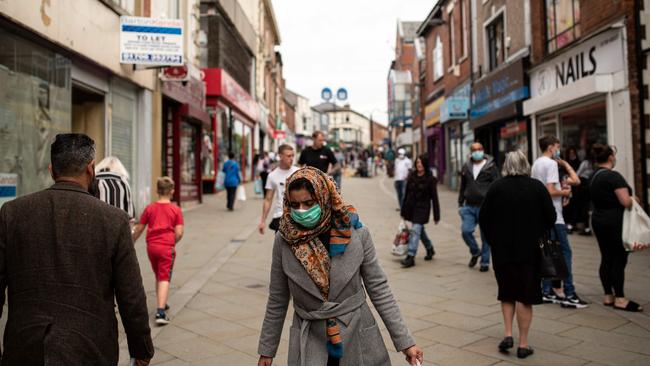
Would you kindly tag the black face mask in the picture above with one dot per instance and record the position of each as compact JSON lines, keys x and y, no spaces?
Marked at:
{"x":93,"y":188}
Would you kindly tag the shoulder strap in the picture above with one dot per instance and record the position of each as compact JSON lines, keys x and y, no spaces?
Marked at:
{"x":593,"y":178}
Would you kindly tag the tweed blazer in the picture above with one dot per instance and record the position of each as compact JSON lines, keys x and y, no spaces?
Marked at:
{"x":352,"y":275}
{"x":65,"y":257}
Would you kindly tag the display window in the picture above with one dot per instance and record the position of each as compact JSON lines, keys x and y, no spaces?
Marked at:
{"x":514,"y":136}
{"x":189,"y":170}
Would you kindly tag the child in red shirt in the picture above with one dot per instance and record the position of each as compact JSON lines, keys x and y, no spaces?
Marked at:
{"x":165,"y":221}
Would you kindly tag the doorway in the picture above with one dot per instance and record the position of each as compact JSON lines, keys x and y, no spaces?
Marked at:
{"x":88,"y":116}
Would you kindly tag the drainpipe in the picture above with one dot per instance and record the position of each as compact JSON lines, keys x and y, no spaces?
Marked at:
{"x":640,"y":54}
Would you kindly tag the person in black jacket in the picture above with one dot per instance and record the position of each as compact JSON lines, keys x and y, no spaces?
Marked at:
{"x":476,"y":177}
{"x":421,"y":194}
{"x":516,"y":212}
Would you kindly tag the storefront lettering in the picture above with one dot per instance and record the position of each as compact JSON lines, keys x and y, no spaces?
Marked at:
{"x":574,"y":68}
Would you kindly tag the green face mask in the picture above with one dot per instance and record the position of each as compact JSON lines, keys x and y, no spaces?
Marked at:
{"x":307,"y":218}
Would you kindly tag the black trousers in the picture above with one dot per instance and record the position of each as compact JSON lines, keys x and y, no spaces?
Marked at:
{"x":264,"y":176}
{"x":231,"y":193}
{"x":613,"y":256}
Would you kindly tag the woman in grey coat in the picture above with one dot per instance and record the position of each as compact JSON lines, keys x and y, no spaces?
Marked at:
{"x":324,"y":259}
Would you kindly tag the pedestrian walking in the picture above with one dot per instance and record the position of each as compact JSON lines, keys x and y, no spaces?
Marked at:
{"x":421,"y":195}
{"x":263,"y":167}
{"x":65,"y":258}
{"x":232,"y":180}
{"x":112,"y":181}
{"x":164,"y":222}
{"x":516,"y":212}
{"x":402,"y":167}
{"x":546,"y":170}
{"x":611,"y":196}
{"x":337,"y":174}
{"x":325,"y":261}
{"x":476,"y":176}
{"x":275,"y":187}
{"x":318,"y":155}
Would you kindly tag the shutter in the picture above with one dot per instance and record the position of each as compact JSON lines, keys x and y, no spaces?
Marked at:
{"x":122,"y":129}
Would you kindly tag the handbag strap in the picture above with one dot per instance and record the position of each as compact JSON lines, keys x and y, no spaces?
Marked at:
{"x":593,"y":178}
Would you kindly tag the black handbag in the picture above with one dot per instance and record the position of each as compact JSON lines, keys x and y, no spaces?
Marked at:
{"x":552,"y":265}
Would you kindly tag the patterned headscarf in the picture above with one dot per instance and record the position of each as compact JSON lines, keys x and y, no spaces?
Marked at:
{"x":337,"y":217}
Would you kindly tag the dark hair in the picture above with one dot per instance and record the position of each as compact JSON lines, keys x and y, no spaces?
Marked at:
{"x":424,"y":159}
{"x":231,"y":155}
{"x":71,"y":153}
{"x":546,"y":141}
{"x":284,"y":147}
{"x":317,"y":133}
{"x":601,"y":153}
{"x":302,"y":183}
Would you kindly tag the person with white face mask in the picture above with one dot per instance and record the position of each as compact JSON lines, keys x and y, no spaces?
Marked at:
{"x":403,"y":166}
{"x":476,"y":177}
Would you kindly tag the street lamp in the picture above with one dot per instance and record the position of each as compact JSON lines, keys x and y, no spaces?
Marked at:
{"x":327,"y":95}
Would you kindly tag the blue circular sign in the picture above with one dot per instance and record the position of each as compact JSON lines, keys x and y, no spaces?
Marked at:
{"x":342,"y":94}
{"x":326,"y":94}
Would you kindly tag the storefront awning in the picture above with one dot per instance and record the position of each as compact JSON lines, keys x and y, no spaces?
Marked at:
{"x":432,"y":112}
{"x":221,"y":85}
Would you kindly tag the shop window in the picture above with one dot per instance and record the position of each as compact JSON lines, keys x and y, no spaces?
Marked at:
{"x":495,"y":43}
{"x":438,"y":60}
{"x":562,"y":23}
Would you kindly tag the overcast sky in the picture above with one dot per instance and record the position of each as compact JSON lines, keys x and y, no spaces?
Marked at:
{"x":343,"y":43}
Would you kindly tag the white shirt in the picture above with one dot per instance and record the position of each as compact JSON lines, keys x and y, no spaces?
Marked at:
{"x":277,"y":181}
{"x":402,"y":167}
{"x":476,"y":168}
{"x":546,"y":170}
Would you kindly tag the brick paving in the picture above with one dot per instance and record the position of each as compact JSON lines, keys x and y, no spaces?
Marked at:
{"x":220,"y":285}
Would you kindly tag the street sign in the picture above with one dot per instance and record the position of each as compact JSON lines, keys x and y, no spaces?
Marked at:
{"x":147,"y":41}
{"x":326,"y":94}
{"x":342,"y":94}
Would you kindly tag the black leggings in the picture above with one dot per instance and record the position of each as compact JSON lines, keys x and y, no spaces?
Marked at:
{"x":613,"y":255}
{"x":231,"y":192}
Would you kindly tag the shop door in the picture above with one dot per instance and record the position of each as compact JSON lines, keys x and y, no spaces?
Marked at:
{"x":88,"y":116}
{"x":190,"y":175}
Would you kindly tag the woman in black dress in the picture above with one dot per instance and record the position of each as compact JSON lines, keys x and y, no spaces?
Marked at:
{"x":611,"y":195}
{"x":516,"y":212}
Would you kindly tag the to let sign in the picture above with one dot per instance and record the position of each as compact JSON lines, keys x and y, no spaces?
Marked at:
{"x":147,"y":41}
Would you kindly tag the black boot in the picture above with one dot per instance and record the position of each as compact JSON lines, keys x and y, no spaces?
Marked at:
{"x":430,"y":254}
{"x":409,"y":261}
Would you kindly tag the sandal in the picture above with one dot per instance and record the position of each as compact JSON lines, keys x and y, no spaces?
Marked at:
{"x":631,"y":307}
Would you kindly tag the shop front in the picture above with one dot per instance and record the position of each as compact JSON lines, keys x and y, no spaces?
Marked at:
{"x":185,"y":125}
{"x":234,"y":117}
{"x":435,"y":137}
{"x":496,"y":111}
{"x":454,"y":119}
{"x":582,"y":97}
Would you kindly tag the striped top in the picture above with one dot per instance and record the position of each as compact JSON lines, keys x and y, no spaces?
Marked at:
{"x":115,"y":190}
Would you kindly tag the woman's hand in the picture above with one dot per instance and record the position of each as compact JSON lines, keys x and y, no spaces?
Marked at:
{"x":265,"y":361}
{"x":413,"y":355}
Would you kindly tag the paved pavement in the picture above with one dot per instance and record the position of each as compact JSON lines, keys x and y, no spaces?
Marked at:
{"x":220,"y":283}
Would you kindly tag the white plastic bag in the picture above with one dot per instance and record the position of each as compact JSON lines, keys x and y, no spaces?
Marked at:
{"x":400,"y":244}
{"x":636,"y":229}
{"x":219,"y":184}
{"x":241,"y":193}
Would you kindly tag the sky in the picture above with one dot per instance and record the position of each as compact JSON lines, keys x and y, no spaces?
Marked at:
{"x":343,"y":43}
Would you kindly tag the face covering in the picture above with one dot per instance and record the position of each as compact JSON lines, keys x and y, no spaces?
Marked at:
{"x":308,"y":218}
{"x":478,"y":155}
{"x":557,"y":153}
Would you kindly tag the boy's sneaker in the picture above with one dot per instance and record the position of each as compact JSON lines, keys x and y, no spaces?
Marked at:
{"x":161,"y":318}
{"x":575,"y":302}
{"x":552,"y":298}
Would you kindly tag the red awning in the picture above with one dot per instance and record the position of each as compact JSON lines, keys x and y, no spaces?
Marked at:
{"x":221,"y":85}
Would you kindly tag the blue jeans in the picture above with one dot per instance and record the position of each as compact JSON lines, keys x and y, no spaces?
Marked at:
{"x":560,"y":234}
{"x":337,"y":180}
{"x":469,"y":216}
{"x":400,"y":188}
{"x":417,"y":233}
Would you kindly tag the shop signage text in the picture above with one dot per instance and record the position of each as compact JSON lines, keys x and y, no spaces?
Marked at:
{"x":432,"y":111}
{"x":601,"y":55}
{"x":500,"y":90}
{"x":147,"y":41}
{"x":457,"y":105}
{"x":220,"y":84}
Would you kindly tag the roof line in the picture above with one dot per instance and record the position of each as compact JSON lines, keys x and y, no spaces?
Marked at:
{"x":428,"y":19}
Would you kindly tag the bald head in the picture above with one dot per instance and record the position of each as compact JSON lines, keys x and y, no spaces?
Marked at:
{"x":477,"y":146}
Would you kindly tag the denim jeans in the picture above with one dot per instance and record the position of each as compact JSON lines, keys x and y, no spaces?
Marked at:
{"x":417,"y":233}
{"x":400,"y":188}
{"x":469,"y":216}
{"x":560,"y":234}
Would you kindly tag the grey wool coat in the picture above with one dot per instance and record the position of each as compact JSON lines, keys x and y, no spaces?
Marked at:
{"x":65,"y":257}
{"x":352,"y":275}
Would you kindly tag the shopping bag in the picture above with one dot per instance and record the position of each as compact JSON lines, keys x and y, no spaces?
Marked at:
{"x":241,"y":193}
{"x":257,"y":187}
{"x":219,"y":183}
{"x":552,"y":265}
{"x":400,"y":243}
{"x":636,"y":229}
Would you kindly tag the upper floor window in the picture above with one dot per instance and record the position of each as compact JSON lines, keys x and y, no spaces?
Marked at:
{"x":452,"y":39}
{"x":495,"y":43}
{"x":128,"y":5}
{"x":463,"y":28}
{"x":438,"y":60}
{"x":562,"y":23}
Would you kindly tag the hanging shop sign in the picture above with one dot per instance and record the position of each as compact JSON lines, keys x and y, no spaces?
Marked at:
{"x":456,"y":106}
{"x":148,"y":41}
{"x":432,"y":112}
{"x":8,"y":187}
{"x":495,"y":96}
{"x":175,"y":73}
{"x":602,"y":54}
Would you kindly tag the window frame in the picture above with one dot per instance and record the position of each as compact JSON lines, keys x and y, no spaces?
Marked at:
{"x":552,"y":39}
{"x":499,"y":16}
{"x":438,"y":59}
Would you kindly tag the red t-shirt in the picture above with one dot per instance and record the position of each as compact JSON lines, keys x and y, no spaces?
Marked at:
{"x":161,"y":219}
